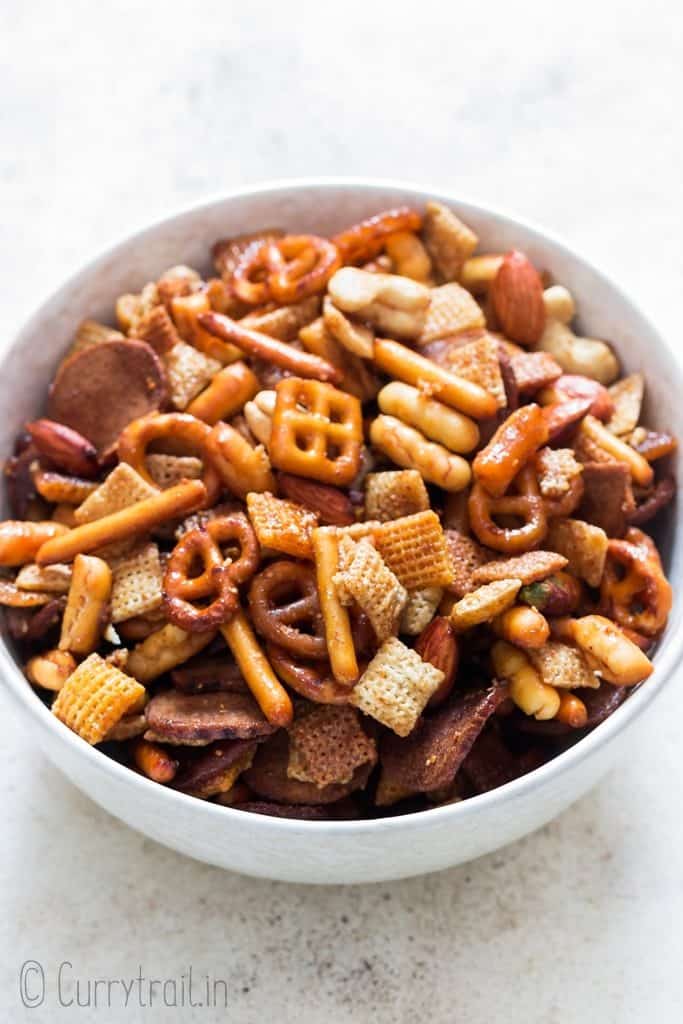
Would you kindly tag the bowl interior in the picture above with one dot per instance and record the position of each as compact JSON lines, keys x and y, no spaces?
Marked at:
{"x":324,"y":208}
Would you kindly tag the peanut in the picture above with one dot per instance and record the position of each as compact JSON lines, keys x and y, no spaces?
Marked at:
{"x":411,"y":450}
{"x":527,"y":691}
{"x":51,"y":669}
{"x":436,"y":421}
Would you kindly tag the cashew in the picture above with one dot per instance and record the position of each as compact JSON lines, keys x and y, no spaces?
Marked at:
{"x":586,"y":356}
{"x":259,"y":415}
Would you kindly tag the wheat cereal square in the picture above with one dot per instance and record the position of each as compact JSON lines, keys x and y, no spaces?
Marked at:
{"x":451,"y":310}
{"x":395,"y":493}
{"x":395,"y":687}
{"x":562,"y":666}
{"x":420,"y":610}
{"x":95,"y":697}
{"x":556,"y":468}
{"x":484,"y":603}
{"x":466,"y":555}
{"x":122,"y":488}
{"x":477,"y":361}
{"x":168,"y":470}
{"x":188,"y":372}
{"x":448,"y":241}
{"x":137,"y":583}
{"x":369,"y":581}
{"x":281,"y":525}
{"x":583,"y":545}
{"x":414,"y":547}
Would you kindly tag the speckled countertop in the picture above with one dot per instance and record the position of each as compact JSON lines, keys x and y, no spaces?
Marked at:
{"x":112,"y":115}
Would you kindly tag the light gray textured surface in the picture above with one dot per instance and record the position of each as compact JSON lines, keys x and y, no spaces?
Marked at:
{"x":114,"y":114}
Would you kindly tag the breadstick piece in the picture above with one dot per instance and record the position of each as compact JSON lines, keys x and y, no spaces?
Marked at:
{"x":225,"y":396}
{"x":163,"y":650}
{"x":174,"y":503}
{"x":86,"y":606}
{"x":435,"y":420}
{"x":267,"y":689}
{"x":262,"y":346}
{"x":338,"y":634}
{"x":641,"y":471}
{"x":404,"y":364}
{"x":240,"y":467}
{"x":20,"y":541}
{"x":514,"y":442}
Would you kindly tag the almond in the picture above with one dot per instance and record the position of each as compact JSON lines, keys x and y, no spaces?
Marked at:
{"x":575,"y":385}
{"x":438,"y":645}
{"x":332,"y":505}
{"x":65,"y":447}
{"x":517,"y":297}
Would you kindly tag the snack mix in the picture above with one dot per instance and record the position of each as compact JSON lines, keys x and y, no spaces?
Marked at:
{"x":354,"y":527}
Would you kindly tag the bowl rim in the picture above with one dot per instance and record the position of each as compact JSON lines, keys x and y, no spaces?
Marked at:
{"x":666,"y":658}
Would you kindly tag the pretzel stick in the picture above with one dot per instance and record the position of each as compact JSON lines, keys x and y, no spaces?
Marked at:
{"x":404,"y":364}
{"x":340,"y":647}
{"x":138,"y":518}
{"x":303,"y":364}
{"x":267,"y":689}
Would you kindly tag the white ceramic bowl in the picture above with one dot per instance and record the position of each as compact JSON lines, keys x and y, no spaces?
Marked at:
{"x":348,"y":851}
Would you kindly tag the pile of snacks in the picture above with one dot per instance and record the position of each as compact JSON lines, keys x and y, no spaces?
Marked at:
{"x":354,"y":524}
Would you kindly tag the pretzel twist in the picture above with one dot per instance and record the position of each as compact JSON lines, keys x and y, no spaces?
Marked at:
{"x":171,"y":427}
{"x":220,"y":575}
{"x":634,"y":591}
{"x":285,"y":270}
{"x":282,"y":599}
{"x":315,"y":682}
{"x":527,"y":506}
{"x":364,"y":241}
